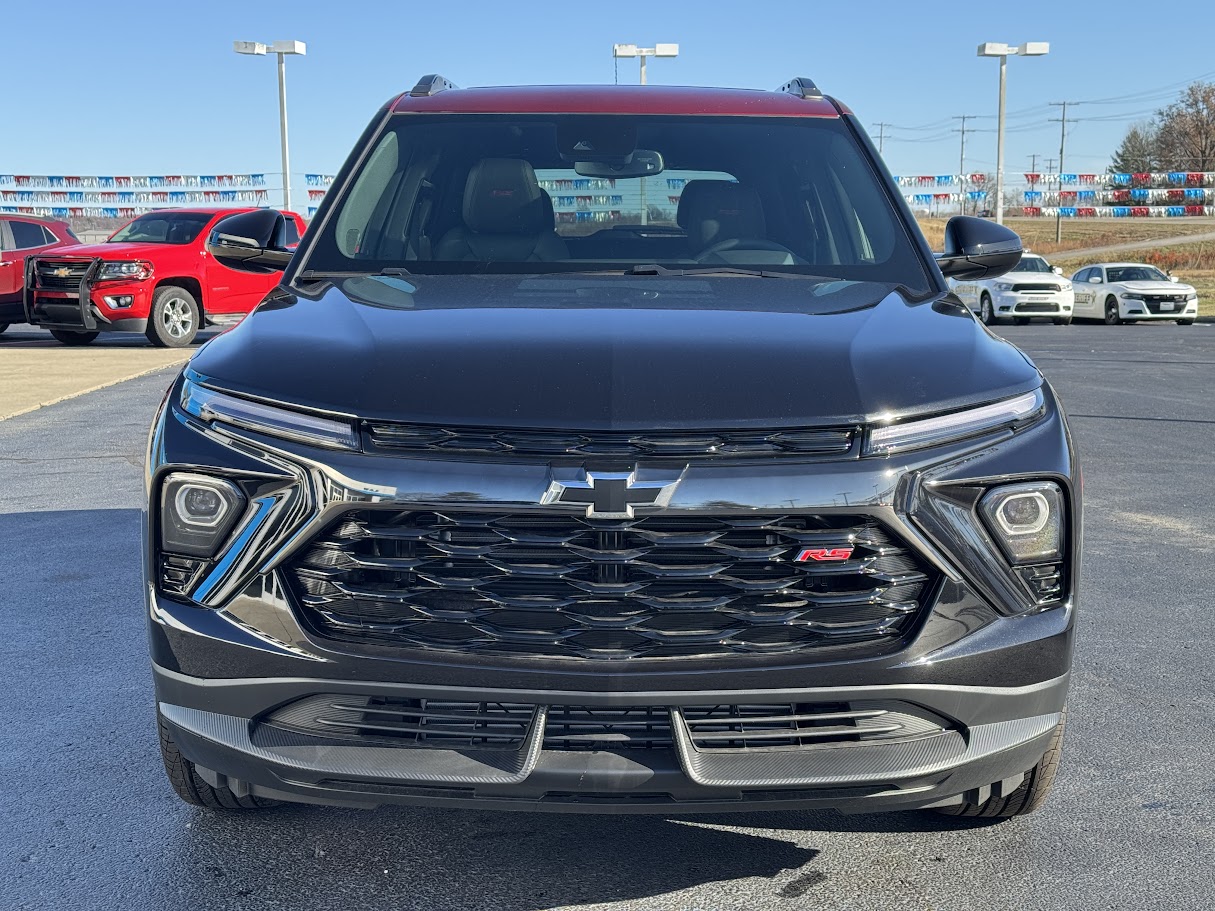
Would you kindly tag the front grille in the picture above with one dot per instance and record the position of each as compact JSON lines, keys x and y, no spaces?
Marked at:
{"x":450,"y":725}
{"x":423,"y":438}
{"x":540,"y":583}
{"x":432,"y":723}
{"x":1154,"y":301}
{"x":74,"y":269}
{"x":1037,"y":308}
{"x":1036,"y":287}
{"x":632,"y":727}
{"x":788,"y":726}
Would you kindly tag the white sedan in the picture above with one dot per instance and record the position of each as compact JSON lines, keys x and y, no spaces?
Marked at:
{"x":1127,"y":292}
{"x":1034,"y":288}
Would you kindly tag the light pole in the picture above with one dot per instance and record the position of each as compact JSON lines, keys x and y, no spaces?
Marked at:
{"x":632,"y":50}
{"x":282,"y":48}
{"x":1004,"y":51}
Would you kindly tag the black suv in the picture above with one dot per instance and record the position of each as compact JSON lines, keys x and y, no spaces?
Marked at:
{"x":613,"y":449}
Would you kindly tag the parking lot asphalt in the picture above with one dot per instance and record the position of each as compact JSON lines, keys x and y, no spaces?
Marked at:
{"x":89,"y":821}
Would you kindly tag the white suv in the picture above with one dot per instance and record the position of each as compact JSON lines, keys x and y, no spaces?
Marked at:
{"x":1034,"y":288}
{"x":1126,"y":292}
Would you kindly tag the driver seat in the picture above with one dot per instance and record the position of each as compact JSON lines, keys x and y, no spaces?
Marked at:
{"x":726,"y":226}
{"x":505,"y":218}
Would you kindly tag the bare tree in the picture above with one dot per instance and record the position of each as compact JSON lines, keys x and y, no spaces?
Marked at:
{"x":1187,"y":130}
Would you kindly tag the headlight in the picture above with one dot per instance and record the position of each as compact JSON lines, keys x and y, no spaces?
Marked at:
{"x":1066,"y":286}
{"x":959,"y":425}
{"x":1003,"y":286}
{"x":196,"y":513}
{"x":1127,"y":295}
{"x":130,"y":271}
{"x":209,"y":405}
{"x":1028,"y":523}
{"x":1027,"y":520}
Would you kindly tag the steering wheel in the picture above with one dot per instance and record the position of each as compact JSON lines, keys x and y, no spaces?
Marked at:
{"x":749,"y":245}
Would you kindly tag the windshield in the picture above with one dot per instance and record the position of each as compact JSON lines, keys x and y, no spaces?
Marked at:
{"x":558,"y":193}
{"x":1136,"y":274}
{"x":1033,"y":264}
{"x":163,"y":228}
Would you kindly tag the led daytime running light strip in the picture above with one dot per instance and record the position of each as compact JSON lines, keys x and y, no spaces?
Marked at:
{"x":949,"y":427}
{"x":210,"y":405}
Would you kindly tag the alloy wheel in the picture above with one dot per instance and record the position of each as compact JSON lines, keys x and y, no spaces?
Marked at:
{"x":177,"y":317}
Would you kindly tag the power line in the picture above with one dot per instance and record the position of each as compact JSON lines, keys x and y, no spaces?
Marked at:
{"x":881,"y":136}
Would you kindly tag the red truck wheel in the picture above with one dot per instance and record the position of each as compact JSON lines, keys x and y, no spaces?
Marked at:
{"x":174,"y":319}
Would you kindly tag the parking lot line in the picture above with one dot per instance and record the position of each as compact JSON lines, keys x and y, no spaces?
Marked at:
{"x":36,"y":377}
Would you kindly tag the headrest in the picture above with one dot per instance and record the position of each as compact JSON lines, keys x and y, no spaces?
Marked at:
{"x":722,"y":212}
{"x":546,"y":203}
{"x":691,"y":190}
{"x":501,"y":196}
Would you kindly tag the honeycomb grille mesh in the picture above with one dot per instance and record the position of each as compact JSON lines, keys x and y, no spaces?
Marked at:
{"x":552,"y":584}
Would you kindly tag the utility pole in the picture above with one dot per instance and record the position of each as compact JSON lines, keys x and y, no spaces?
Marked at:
{"x":1033,"y":163}
{"x":1063,"y":121}
{"x":881,"y":136}
{"x":962,"y":156}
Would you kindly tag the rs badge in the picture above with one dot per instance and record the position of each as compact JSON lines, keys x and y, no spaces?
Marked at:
{"x":823,"y":554}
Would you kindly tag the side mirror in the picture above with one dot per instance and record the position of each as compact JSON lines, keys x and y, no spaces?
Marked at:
{"x":1094,"y":279}
{"x":1057,"y":270}
{"x":977,"y":248}
{"x":1172,"y":277}
{"x":251,"y":242}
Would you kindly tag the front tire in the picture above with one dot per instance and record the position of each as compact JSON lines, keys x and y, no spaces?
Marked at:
{"x":1180,"y":322}
{"x":67,"y":337}
{"x":1112,"y":317}
{"x":987,"y":314}
{"x":1029,"y":795}
{"x":191,"y":788}
{"x":1062,"y":320}
{"x":175,"y":317}
{"x":1021,"y":321}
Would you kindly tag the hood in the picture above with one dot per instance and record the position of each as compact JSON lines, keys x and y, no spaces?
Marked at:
{"x":114,"y":251}
{"x":1157,"y":287}
{"x":620,"y":353}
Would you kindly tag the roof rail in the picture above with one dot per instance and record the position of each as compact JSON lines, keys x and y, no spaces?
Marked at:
{"x":802,"y":87}
{"x":431,"y":84}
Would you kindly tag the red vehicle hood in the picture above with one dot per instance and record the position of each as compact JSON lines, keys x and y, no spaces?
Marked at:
{"x":114,"y":251}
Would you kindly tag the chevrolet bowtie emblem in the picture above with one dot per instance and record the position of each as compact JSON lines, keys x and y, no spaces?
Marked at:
{"x":610,"y":494}
{"x":62,"y":272}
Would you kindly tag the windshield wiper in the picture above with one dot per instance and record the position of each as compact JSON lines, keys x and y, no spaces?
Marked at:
{"x":321,"y":274}
{"x":656,"y":269}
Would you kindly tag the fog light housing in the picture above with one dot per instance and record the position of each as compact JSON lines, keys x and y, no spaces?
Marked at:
{"x":1026,"y":520}
{"x":196,"y":513}
{"x":119,"y":301}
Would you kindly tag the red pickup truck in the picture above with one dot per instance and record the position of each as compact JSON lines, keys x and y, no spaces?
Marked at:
{"x":152,"y":276}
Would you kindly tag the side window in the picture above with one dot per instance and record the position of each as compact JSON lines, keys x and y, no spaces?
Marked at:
{"x":48,"y":237}
{"x":1095,"y":272}
{"x":26,"y":235}
{"x":1082,"y":275}
{"x":354,"y":220}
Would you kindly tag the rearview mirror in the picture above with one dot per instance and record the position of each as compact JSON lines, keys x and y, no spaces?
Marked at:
{"x":642,"y":163}
{"x":978,"y":248}
{"x":252,"y":242}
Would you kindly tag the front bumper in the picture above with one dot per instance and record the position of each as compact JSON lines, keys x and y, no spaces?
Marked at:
{"x":1139,"y":310}
{"x":1006,"y":732}
{"x":1009,"y":303}
{"x":86,"y":308}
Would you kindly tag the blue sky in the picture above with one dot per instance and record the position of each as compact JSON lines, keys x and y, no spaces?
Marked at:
{"x":155,"y":88}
